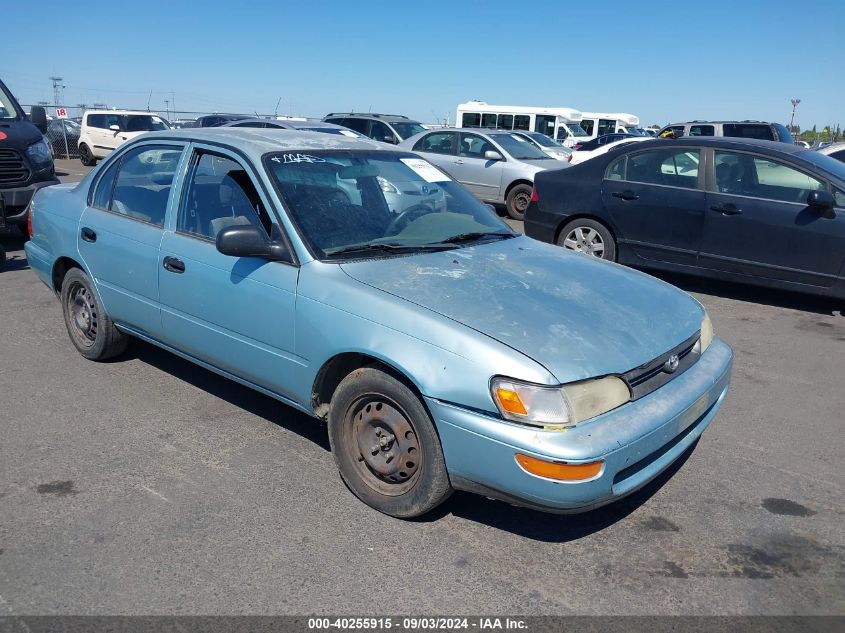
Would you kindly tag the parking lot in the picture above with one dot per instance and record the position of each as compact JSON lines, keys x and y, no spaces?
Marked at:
{"x":147,"y":485}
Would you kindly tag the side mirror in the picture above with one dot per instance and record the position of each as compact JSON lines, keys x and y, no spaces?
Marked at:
{"x":245,"y":240}
{"x":823,"y":202}
{"x":114,"y":128}
{"x":38,"y":116}
{"x":390,"y":139}
{"x":491,"y":155}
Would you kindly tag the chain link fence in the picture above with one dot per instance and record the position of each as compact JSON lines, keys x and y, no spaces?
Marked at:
{"x":62,"y":134}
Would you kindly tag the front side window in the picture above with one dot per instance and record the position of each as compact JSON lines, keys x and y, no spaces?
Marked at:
{"x":439,"y":143}
{"x":377,"y":204}
{"x":747,"y":175}
{"x":839,"y":197}
{"x":669,"y":167}
{"x":143,"y":181}
{"x":380,"y":132}
{"x":220,"y":194}
{"x":701,"y":130}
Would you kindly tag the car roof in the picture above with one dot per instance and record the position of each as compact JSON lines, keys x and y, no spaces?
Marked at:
{"x":259,"y":141}
{"x":369,"y":115}
{"x":123,"y":112}
{"x":702,"y":122}
{"x":733,"y":142}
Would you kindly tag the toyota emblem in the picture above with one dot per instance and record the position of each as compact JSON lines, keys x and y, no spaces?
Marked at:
{"x":671,"y":365}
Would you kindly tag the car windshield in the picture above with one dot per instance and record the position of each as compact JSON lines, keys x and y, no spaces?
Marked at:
{"x":637,"y":131}
{"x":576,"y":130}
{"x":520,"y":147}
{"x":543,"y":140}
{"x":825,"y":162}
{"x":333,"y":130}
{"x":407,"y":130}
{"x":142,"y":123}
{"x":352,"y":204}
{"x":7,"y":105}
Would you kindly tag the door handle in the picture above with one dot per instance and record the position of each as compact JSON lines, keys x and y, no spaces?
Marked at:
{"x":174,"y":265}
{"x":726,"y":209}
{"x":459,"y":162}
{"x":88,"y":234}
{"x":625,"y":195}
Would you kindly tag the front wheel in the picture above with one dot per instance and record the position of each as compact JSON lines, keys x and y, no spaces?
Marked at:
{"x":90,"y":329}
{"x":518,"y":200}
{"x":588,"y":237}
{"x":385,"y":445}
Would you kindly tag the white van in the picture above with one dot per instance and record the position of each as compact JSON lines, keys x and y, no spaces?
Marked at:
{"x":103,"y":130}
{"x":560,"y":124}
{"x":601,"y":123}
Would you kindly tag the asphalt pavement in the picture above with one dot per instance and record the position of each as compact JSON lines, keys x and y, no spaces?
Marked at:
{"x":147,"y":485}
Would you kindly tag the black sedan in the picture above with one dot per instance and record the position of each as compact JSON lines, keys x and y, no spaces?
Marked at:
{"x":743,"y":210}
{"x":604,"y":139}
{"x":63,"y":143}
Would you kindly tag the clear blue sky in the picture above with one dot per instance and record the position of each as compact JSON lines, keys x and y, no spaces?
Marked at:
{"x":659,"y":60}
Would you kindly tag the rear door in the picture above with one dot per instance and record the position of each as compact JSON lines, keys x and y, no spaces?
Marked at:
{"x":758,"y":222}
{"x":234,"y":313}
{"x":120,"y":232}
{"x":656,"y":198}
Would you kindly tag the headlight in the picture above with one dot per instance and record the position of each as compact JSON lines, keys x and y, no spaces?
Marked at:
{"x":39,"y":153}
{"x":386,"y":186}
{"x":565,"y":406}
{"x":706,"y":335}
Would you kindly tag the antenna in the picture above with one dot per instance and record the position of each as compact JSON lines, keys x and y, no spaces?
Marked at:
{"x":149,"y":99}
{"x":276,"y":110}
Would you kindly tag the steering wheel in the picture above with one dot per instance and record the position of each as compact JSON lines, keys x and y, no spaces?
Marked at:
{"x":402,"y":220}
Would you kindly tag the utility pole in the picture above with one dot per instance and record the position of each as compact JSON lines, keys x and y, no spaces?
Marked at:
{"x":795,"y":103}
{"x":167,"y":109}
{"x":58,"y":97}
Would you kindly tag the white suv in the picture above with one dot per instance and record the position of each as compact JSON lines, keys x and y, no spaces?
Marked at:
{"x":104,"y":130}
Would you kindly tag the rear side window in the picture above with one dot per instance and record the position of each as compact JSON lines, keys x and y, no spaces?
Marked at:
{"x":439,"y":143}
{"x":359,"y":125}
{"x":97,"y":120}
{"x":748,"y":130}
{"x":143,"y":182}
{"x":616,"y":170}
{"x":669,"y":167}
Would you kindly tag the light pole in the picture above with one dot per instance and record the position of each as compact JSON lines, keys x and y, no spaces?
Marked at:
{"x":795,"y":103}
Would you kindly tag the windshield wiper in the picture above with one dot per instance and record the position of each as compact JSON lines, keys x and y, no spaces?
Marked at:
{"x":475,"y":235}
{"x":387,"y":248}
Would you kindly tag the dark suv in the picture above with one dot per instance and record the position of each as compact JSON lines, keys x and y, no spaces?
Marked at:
{"x":737,"y":129}
{"x":26,"y":163}
{"x":388,"y":128}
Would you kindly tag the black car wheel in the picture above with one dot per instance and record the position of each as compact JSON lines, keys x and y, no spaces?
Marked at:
{"x":86,"y":157}
{"x":385,"y":445}
{"x":90,"y":329}
{"x":518,"y":200}
{"x":589,"y":237}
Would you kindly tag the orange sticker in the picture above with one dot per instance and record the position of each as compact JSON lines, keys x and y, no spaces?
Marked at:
{"x":2,"y":136}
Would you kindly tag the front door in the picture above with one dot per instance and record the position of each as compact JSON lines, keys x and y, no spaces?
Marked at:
{"x":482,"y":176}
{"x":656,"y":199}
{"x":120,"y":233}
{"x":758,"y":222}
{"x":234,"y":313}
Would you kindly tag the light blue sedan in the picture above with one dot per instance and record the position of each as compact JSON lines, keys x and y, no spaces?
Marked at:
{"x":443,"y":350}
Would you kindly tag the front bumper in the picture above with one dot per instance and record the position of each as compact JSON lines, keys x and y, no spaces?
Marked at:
{"x":16,"y":199}
{"x":636,"y":442}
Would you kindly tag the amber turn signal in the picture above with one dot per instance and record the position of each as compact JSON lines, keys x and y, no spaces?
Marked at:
{"x":510,"y":401}
{"x":558,"y":470}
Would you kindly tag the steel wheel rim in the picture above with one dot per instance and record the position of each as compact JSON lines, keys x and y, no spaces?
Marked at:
{"x":521,"y":202}
{"x":585,"y":239}
{"x":383,"y":444}
{"x":82,"y":315}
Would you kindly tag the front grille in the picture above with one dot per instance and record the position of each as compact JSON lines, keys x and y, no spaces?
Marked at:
{"x":13,"y":169}
{"x":646,"y":378}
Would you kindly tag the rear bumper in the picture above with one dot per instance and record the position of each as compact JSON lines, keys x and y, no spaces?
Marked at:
{"x":540,"y":226}
{"x":40,"y":261}
{"x":16,"y":199}
{"x":636,"y":442}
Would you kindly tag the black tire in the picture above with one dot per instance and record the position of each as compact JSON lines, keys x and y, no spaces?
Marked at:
{"x":2,"y":257}
{"x":90,"y":329}
{"x":86,"y":156}
{"x":375,"y":419}
{"x":601,"y":236}
{"x":519,"y":197}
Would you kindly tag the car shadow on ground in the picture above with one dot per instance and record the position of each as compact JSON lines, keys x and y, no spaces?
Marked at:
{"x":754,"y":294}
{"x":232,"y":392}
{"x":547,"y":527}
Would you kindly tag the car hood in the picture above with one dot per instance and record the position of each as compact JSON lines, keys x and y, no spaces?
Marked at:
{"x":18,"y":134}
{"x":577,"y":316}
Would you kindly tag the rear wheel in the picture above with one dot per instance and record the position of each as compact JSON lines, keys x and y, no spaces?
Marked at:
{"x":385,"y":445}
{"x":90,"y":329}
{"x":589,"y":237}
{"x":86,"y":156}
{"x":519,"y":197}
